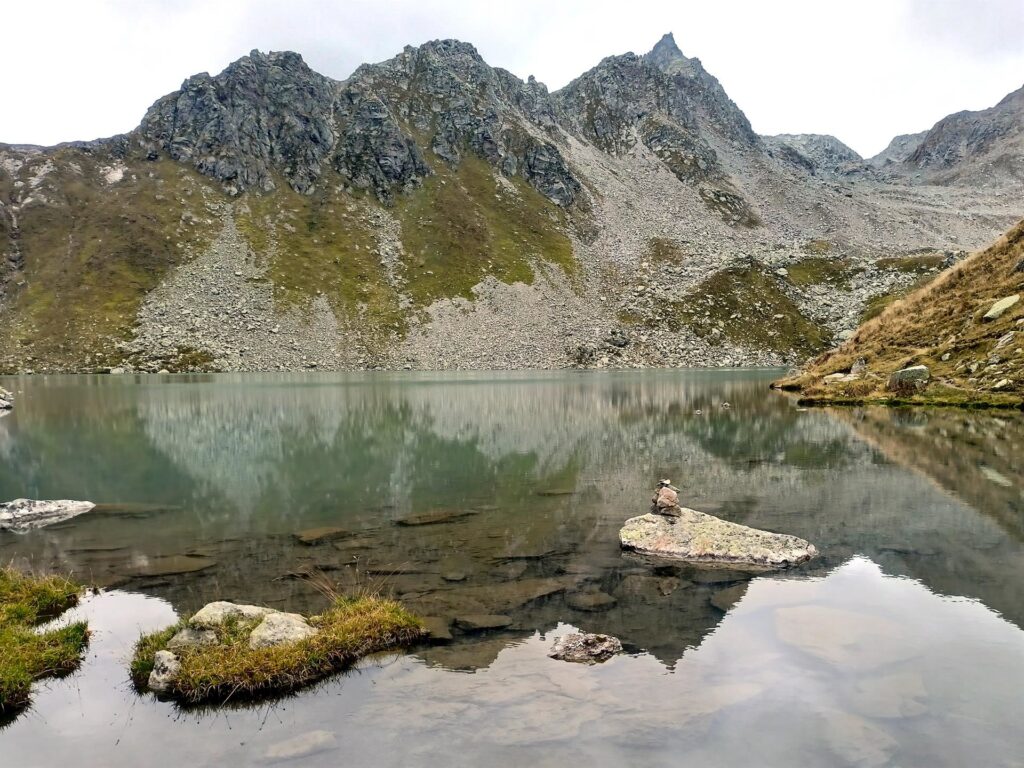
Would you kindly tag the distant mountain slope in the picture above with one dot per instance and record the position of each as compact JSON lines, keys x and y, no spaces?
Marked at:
{"x":432,"y":211}
{"x":972,"y":146}
{"x":818,"y":153}
{"x":966,"y":327}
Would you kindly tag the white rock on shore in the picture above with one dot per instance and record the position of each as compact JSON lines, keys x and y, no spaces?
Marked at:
{"x":23,"y":515}
{"x":697,"y":537}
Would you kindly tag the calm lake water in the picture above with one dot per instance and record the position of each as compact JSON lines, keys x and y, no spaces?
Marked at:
{"x":484,"y":493}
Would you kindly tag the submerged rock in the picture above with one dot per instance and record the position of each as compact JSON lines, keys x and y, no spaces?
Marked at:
{"x":305,"y":745}
{"x":697,"y":537}
{"x":280,"y":629}
{"x":482,"y":622}
{"x":590,"y":601}
{"x":585,"y":648}
{"x":313,"y":536}
{"x":165,"y":669}
{"x":22,"y":515}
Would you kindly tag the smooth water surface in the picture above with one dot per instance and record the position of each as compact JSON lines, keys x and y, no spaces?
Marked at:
{"x":503,"y":494}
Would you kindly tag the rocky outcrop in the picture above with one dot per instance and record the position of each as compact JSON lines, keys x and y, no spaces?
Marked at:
{"x":585,"y":648}
{"x":899,"y":149}
{"x":23,"y":515}
{"x":280,"y":629}
{"x":269,"y":115}
{"x":821,"y":154}
{"x":166,"y":668}
{"x":6,"y":400}
{"x":689,"y":535}
{"x":914,"y":377}
{"x":965,"y":144}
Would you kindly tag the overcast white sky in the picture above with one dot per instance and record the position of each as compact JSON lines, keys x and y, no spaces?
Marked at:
{"x":863,"y":70}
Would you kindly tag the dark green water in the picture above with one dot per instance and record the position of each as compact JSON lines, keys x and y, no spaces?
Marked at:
{"x":900,"y":646}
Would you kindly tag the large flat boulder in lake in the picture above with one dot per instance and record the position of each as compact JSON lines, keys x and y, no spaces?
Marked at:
{"x":22,"y":515}
{"x":696,"y":537}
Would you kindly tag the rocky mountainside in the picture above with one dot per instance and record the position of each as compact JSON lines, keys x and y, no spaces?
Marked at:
{"x":815,"y":152}
{"x":432,"y":211}
{"x":958,"y":339}
{"x":973,"y":146}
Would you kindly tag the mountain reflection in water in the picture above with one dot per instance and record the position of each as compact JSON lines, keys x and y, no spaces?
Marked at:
{"x":503,"y":494}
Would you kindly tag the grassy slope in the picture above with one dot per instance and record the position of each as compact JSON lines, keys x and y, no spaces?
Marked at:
{"x":93,"y":250}
{"x":352,"y":628}
{"x":26,"y":655}
{"x":941,"y":319}
{"x":748,"y":307}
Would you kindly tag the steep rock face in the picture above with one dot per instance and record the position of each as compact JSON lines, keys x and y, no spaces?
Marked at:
{"x":270,"y":115}
{"x":265,"y":114}
{"x":818,"y":153}
{"x":453,"y":101}
{"x":899,"y":149}
{"x":970,"y":141}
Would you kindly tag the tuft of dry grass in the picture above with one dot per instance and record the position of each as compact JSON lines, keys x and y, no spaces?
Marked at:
{"x":350,"y":629}
{"x":940,"y":326}
{"x":27,"y":655}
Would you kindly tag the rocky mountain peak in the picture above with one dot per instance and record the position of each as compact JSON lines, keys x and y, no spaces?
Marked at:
{"x":666,"y":56}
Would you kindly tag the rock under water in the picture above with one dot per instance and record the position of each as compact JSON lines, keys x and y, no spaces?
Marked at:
{"x":697,"y":537}
{"x":22,"y":515}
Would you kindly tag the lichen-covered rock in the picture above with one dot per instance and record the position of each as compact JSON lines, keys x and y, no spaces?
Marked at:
{"x":22,"y":515}
{"x":189,"y":637}
{"x":585,"y":648}
{"x":279,"y":629}
{"x":697,"y":537}
{"x":915,"y":376}
{"x":166,"y":668}
{"x":214,"y":614}
{"x":999,"y":308}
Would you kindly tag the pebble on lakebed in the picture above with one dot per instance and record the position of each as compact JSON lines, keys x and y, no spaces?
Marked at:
{"x":678,"y":533}
{"x":228,"y":650}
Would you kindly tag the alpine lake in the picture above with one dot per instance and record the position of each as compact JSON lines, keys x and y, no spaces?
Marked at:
{"x":482,"y":493}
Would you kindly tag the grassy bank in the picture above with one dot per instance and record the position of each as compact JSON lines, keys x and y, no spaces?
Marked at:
{"x":231,"y":669}
{"x":974,"y":354}
{"x":25,"y":654}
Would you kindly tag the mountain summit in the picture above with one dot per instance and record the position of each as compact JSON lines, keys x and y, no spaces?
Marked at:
{"x":433,"y":211}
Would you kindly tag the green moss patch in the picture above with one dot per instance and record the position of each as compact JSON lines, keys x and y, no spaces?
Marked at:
{"x":913,"y":264}
{"x":747,"y":306}
{"x":231,"y":669}
{"x":818,"y":270}
{"x":25,"y":654}
{"x":464,"y":224}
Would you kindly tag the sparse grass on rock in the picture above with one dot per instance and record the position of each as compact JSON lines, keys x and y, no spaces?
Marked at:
{"x":27,"y":655}
{"x":230,"y":669}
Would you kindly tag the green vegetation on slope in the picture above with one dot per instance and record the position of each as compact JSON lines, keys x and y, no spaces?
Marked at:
{"x":748,"y":306}
{"x":464,"y":225}
{"x":327,"y":243}
{"x":230,"y":668}
{"x":93,"y":249}
{"x":971,"y":361}
{"x":819,"y":270}
{"x":25,"y":654}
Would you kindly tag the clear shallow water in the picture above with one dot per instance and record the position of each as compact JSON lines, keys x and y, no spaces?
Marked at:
{"x":900,"y":646}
